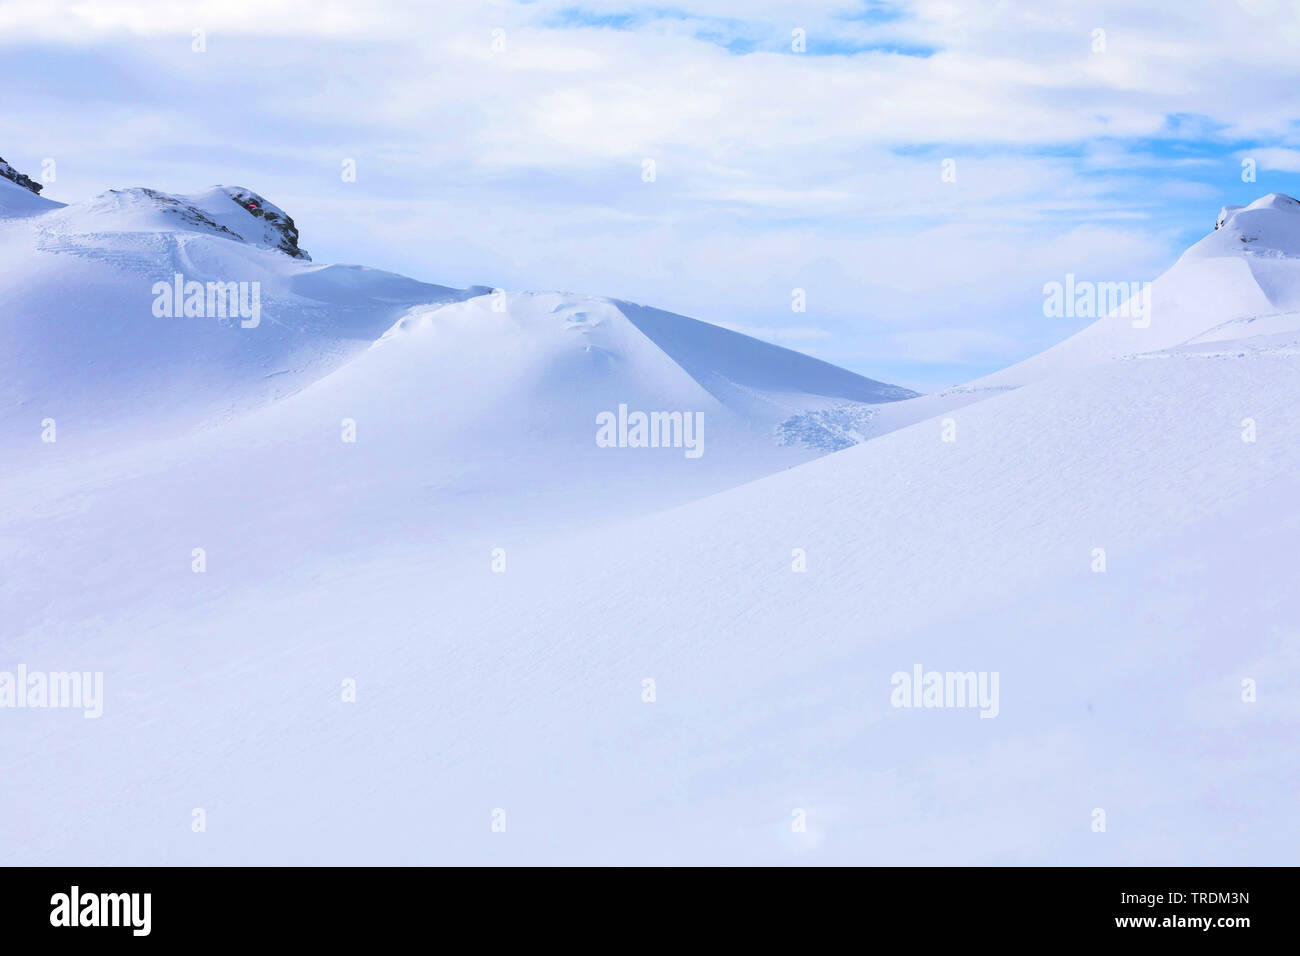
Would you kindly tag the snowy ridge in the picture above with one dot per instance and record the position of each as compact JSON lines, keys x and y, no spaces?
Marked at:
{"x":1248,"y":267}
{"x":228,"y":212}
{"x":132,"y":370}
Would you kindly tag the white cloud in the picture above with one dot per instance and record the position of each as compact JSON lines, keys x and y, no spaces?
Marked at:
{"x":1286,"y":160}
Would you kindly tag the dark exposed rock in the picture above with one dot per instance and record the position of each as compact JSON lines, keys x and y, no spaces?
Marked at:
{"x":273,"y":216}
{"x":14,"y":176}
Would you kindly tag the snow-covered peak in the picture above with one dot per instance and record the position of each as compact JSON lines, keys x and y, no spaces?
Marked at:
{"x":230,"y":212}
{"x":1240,"y":283}
{"x":1270,"y":226}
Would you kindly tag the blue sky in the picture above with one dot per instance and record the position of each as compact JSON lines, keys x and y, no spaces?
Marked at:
{"x":504,"y":143}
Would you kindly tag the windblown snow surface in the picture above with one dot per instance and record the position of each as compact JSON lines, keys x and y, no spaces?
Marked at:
{"x":500,"y":590}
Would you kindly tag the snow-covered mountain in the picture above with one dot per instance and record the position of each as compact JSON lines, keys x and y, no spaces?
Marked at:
{"x":626,"y":654}
{"x":89,"y":343}
{"x":1241,"y":282}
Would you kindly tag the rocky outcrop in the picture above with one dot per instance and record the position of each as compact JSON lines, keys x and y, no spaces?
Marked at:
{"x":14,"y":176}
{"x":279,"y":222}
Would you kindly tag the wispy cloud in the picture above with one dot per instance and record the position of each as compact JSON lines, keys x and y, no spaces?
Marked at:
{"x":1275,"y":158}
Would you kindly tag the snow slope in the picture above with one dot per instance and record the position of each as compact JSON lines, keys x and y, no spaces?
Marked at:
{"x":499,"y":589}
{"x":16,"y":200}
{"x":1240,"y":281}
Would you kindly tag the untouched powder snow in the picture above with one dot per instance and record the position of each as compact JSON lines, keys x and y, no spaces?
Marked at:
{"x":630,"y":655}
